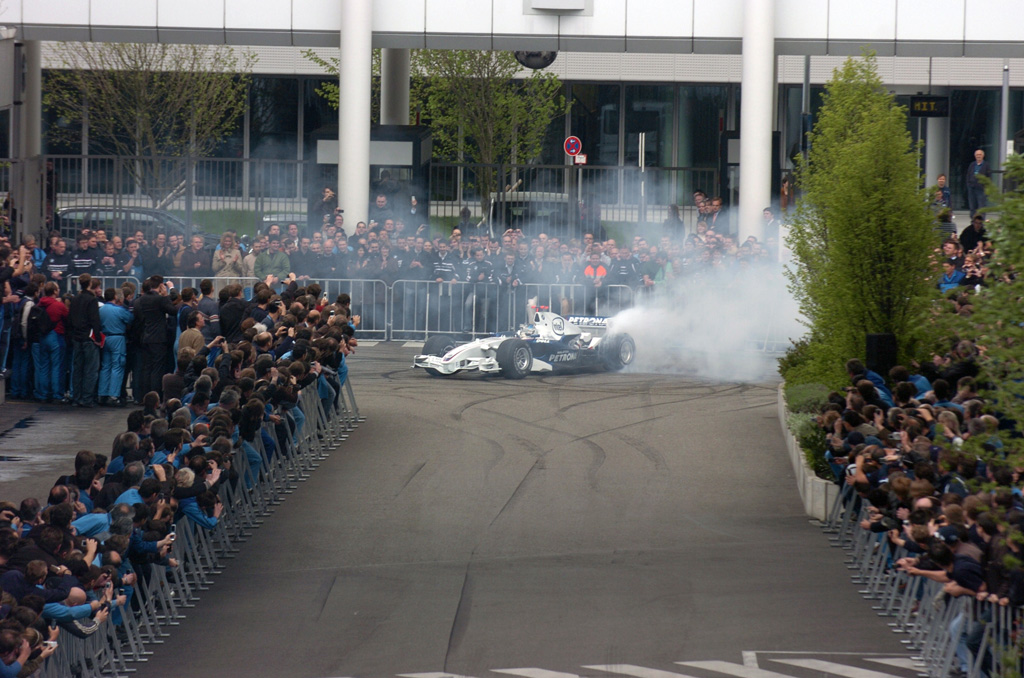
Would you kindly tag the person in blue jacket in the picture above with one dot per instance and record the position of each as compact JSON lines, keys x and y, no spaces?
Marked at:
{"x":951,"y":277}
{"x":203,"y":510}
{"x":857,"y":371}
{"x":116,"y":320}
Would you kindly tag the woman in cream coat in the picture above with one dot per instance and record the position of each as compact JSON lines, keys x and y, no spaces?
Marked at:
{"x":227,"y":261}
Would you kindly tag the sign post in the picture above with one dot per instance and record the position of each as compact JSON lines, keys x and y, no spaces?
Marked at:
{"x":572,"y":147}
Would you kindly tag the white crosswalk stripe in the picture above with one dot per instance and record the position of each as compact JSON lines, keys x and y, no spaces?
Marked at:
{"x":535,"y":673}
{"x":737,"y":670}
{"x":833,"y":668}
{"x":748,"y":669}
{"x":636,"y":671}
{"x":898,"y":662}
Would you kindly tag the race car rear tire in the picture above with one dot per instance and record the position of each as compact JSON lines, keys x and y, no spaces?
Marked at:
{"x":617,"y":351}
{"x":514,"y":358}
{"x":437,"y":345}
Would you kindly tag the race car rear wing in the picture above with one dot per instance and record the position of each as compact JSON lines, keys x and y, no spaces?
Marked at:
{"x":596,"y":325}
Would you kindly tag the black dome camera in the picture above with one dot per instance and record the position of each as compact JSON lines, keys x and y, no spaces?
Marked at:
{"x":536,"y":60}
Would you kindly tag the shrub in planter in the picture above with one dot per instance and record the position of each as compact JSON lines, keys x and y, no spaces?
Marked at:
{"x":811,"y":439}
{"x":807,"y":398}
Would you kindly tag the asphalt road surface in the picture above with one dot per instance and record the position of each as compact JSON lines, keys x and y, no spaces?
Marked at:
{"x":589,"y":525}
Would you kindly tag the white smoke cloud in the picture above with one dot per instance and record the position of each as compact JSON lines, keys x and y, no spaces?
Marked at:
{"x":715,"y":326}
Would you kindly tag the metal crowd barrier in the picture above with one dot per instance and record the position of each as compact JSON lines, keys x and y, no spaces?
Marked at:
{"x":108,"y":281}
{"x":416,"y":309}
{"x":183,"y":281}
{"x":935,"y":627}
{"x":371,"y":301}
{"x":420,"y":308}
{"x":179,"y":282}
{"x":162,"y":599}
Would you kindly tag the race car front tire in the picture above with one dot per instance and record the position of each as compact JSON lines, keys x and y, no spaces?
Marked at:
{"x":514,"y":358}
{"x":437,"y":345}
{"x":617,"y":351}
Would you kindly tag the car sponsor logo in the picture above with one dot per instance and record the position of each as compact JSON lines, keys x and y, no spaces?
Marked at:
{"x":588,"y":321}
{"x":563,"y":357}
{"x":558,"y":326}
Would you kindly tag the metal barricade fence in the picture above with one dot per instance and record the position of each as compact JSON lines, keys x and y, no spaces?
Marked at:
{"x":160,"y":600}
{"x":416,"y":309}
{"x":114,"y":281}
{"x":615,"y":299}
{"x":371,"y":301}
{"x":935,"y":626}
{"x":423,"y":308}
{"x":180,"y":282}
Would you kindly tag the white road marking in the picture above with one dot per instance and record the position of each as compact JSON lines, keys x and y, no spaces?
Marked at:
{"x":737,"y":670}
{"x":413,"y":344}
{"x":898,"y":662}
{"x":636,"y":671}
{"x":749,"y":668}
{"x":535,"y":673}
{"x":834,"y":669}
{"x":363,"y":342}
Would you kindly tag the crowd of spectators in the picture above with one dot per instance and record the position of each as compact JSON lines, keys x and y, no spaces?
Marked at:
{"x":210,"y":369}
{"x":74,"y":558}
{"x":50,"y":324}
{"x":900,"y":441}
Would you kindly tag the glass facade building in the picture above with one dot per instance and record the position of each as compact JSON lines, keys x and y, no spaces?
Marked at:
{"x":683,"y":123}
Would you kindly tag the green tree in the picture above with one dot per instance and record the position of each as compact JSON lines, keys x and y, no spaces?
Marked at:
{"x":862,"y":233}
{"x":478,"y":107}
{"x":149,"y":102}
{"x":328,"y":89}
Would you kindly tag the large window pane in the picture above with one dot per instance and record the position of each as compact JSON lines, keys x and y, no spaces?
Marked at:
{"x":273,"y":135}
{"x":649,"y":110}
{"x":701,"y":109}
{"x":973,"y":124}
{"x":273,"y":118}
{"x":595,"y":120}
{"x":5,"y":133}
{"x":551,"y":151}
{"x":319,"y":122}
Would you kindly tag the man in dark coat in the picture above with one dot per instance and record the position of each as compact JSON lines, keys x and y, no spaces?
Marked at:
{"x":151,"y":311}
{"x":975,"y":190}
{"x":85,"y":330}
{"x":232,"y":313}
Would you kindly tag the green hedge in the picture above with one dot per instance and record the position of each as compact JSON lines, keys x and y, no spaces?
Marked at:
{"x":806,"y":398}
{"x":811,"y":439}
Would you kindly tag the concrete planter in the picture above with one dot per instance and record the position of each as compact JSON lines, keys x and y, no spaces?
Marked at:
{"x":818,"y":495}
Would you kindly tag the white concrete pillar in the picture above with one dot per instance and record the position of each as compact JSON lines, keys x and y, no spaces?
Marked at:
{"x":354,"y":83}
{"x":936,"y":150}
{"x":394,"y":87}
{"x":32,"y":129}
{"x":756,"y":111}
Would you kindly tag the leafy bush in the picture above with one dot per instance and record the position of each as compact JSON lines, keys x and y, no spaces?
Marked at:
{"x":807,"y":398}
{"x":811,"y":361}
{"x":811,"y":439}
{"x":796,"y":356}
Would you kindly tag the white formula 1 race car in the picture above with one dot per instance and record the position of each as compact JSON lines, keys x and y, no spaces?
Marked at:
{"x":550,"y":344}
